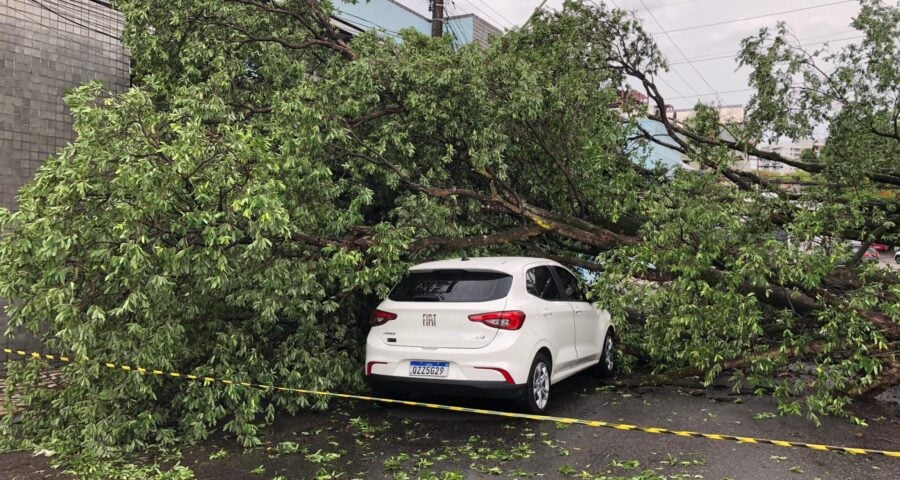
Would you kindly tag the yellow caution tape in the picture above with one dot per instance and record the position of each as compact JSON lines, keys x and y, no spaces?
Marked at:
{"x":479,"y":411}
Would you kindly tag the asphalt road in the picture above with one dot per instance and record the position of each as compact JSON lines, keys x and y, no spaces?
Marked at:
{"x":376,"y":442}
{"x":886,"y":259}
{"x":360,"y":440}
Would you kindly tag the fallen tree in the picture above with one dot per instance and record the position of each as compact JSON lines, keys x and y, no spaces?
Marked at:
{"x":237,"y":212}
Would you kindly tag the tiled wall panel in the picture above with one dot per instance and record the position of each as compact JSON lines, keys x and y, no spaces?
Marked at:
{"x":46,"y":48}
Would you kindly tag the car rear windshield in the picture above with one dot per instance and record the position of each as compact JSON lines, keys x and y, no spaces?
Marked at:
{"x":451,"y":286}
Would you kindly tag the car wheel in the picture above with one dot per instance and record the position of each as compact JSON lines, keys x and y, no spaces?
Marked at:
{"x":537,"y":393}
{"x":607,"y":364}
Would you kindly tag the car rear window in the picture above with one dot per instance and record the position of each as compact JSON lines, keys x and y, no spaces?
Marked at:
{"x":451,"y":286}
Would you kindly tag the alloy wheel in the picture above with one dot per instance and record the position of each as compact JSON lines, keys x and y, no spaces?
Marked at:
{"x":608,"y":348}
{"x":541,"y":385}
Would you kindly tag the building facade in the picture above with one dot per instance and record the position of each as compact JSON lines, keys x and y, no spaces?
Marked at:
{"x":46,"y":48}
{"x":390,"y":16}
{"x":727,"y":114}
{"x":791,"y":149}
{"x":50,"y":46}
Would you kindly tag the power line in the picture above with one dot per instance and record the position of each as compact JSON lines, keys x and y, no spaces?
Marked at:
{"x":73,"y":22}
{"x":670,"y":87}
{"x":70,"y":37}
{"x":720,"y":57}
{"x":694,"y":67}
{"x":371,"y":25}
{"x":676,"y":72}
{"x":457,"y":35}
{"x":89,"y":21}
{"x":666,"y":5}
{"x":659,"y":7}
{"x":489,"y":7}
{"x":684,"y":29}
{"x":712,"y":93}
{"x":660,"y":79}
{"x":73,"y":6}
{"x":488,"y":16}
{"x":458,"y":31}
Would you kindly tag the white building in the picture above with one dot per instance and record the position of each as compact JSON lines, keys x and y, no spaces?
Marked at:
{"x":791,"y":149}
{"x":727,"y":114}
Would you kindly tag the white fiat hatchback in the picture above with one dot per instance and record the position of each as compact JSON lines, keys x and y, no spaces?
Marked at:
{"x":502,"y":327}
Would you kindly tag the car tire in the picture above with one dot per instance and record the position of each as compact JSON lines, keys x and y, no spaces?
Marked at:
{"x":536,"y":396}
{"x":606,"y":366}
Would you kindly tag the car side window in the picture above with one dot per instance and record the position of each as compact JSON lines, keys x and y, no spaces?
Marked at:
{"x":540,"y":283}
{"x":572,"y":289}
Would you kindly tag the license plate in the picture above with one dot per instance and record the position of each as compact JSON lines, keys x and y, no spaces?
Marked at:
{"x":428,"y":369}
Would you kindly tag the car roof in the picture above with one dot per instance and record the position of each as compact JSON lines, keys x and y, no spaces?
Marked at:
{"x":498,"y":264}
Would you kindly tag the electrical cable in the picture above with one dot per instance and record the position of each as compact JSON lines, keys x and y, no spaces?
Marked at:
{"x":487,"y":17}
{"x":684,"y":29}
{"x":670,"y":87}
{"x":666,"y":5}
{"x":489,"y":7}
{"x":80,"y":6}
{"x":733,"y":55}
{"x":712,"y":93}
{"x":660,"y":79}
{"x":457,"y":32}
{"x":66,"y":35}
{"x":73,"y":22}
{"x":694,"y":67}
{"x":371,"y":25}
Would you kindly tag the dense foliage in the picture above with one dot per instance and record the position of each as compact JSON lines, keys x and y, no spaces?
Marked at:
{"x":238,"y":211}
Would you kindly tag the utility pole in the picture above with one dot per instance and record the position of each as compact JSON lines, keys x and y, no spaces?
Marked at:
{"x":539,"y":7}
{"x":437,"y":18}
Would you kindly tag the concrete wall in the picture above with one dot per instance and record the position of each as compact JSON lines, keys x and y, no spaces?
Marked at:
{"x":46,"y":48}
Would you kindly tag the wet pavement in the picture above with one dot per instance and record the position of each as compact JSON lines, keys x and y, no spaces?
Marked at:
{"x":361,"y":440}
{"x":401,"y":442}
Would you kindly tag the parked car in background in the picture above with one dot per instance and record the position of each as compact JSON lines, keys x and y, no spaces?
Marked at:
{"x":871,"y":255}
{"x":502,"y":327}
{"x":880,"y":247}
{"x":897,"y":256}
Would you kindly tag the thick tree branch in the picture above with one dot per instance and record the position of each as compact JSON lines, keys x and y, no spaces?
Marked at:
{"x":356,"y":122}
{"x":446,"y":244}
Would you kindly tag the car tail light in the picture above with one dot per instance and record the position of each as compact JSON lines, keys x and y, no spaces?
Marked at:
{"x":506,"y":376}
{"x":380,"y":317}
{"x":511,"y":320}
{"x":372,"y":364}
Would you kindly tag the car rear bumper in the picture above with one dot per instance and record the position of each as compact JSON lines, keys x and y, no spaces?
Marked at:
{"x":459,"y":388}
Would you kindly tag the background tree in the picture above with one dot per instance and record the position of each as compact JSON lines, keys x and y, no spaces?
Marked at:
{"x":238,"y":212}
{"x":809,"y":155}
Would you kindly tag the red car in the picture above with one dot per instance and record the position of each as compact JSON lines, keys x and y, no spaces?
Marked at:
{"x":880,"y":247}
{"x":870,"y":254}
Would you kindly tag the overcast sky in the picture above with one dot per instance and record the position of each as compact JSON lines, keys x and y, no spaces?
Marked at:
{"x":829,"y":20}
